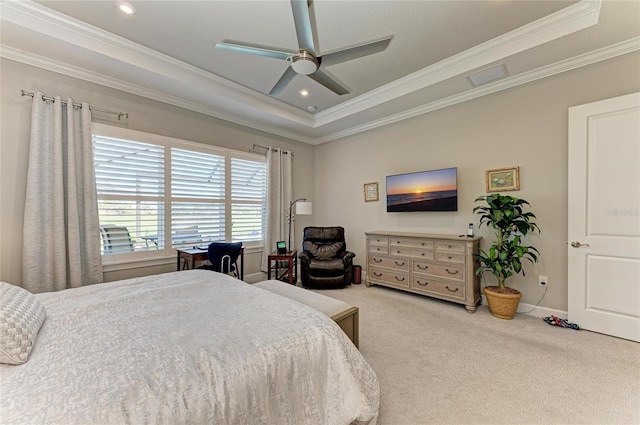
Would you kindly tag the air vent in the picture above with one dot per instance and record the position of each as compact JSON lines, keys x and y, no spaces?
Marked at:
{"x":488,"y":75}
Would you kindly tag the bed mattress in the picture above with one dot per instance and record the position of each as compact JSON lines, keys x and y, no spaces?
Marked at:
{"x":190,"y":347}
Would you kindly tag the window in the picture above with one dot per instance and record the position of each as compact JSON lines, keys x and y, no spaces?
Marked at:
{"x":157,"y":193}
{"x":248,"y":196}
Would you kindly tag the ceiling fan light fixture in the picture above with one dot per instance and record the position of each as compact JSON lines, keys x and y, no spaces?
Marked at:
{"x":304,"y":63}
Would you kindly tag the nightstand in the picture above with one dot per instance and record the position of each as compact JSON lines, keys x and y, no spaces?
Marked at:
{"x":287,"y":272}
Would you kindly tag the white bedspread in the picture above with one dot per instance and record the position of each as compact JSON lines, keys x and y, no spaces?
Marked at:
{"x":190,"y":347}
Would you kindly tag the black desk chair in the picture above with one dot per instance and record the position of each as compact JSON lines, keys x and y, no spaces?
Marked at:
{"x":223,"y":257}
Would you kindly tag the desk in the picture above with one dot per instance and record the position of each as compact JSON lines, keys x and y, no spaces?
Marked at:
{"x":289,"y":273}
{"x":187,"y":259}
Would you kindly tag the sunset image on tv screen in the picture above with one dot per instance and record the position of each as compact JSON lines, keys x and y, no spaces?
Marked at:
{"x":435,"y":190}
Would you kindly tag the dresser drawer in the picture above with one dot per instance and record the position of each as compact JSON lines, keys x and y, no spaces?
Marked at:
{"x":398,"y":263}
{"x":427,"y":254}
{"x":379,"y":249}
{"x":411,"y":242}
{"x":448,"y":257}
{"x":438,"y":270}
{"x":388,"y":277}
{"x":450,"y":246}
{"x":378,"y":240}
{"x":439,"y":287}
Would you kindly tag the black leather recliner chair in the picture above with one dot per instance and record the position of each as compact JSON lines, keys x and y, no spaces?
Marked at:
{"x":324,"y":260}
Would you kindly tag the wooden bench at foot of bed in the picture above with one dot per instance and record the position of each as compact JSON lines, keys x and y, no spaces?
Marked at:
{"x":345,"y":315}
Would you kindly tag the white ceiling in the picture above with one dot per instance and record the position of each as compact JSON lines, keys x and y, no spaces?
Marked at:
{"x":165,"y":51}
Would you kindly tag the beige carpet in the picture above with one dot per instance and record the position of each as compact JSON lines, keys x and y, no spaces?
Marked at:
{"x":438,"y":364}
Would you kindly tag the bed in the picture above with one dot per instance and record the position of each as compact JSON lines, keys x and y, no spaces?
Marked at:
{"x":189,"y":347}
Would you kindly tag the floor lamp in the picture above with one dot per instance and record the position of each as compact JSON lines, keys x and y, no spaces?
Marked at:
{"x":303,"y":207}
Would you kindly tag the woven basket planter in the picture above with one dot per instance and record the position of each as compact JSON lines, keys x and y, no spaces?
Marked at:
{"x":502,"y":305}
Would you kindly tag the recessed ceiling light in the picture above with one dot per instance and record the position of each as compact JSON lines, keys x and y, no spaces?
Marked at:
{"x":311,"y":108}
{"x":126,"y":7}
{"x":304,"y":93}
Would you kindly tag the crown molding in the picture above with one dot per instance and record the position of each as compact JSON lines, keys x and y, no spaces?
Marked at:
{"x":54,"y":24}
{"x":619,"y":49}
{"x":566,"y":21}
{"x":46,"y":21}
{"x":615,"y":50}
{"x":97,"y":78}
{"x":51,"y":23}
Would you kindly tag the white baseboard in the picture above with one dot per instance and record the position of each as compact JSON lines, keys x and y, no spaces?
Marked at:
{"x":523,"y":308}
{"x":259,"y":277}
{"x":255,"y":277}
{"x":538,"y":311}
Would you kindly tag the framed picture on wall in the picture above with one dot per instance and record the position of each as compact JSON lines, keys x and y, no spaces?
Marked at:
{"x":503,"y":179}
{"x":371,"y":192}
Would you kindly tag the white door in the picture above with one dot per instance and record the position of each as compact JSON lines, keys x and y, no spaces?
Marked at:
{"x":604,"y":216}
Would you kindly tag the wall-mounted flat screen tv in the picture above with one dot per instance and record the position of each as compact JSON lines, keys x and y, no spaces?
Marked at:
{"x":433,"y":190}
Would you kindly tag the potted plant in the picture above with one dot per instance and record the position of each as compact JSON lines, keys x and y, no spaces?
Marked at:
{"x":504,"y":258}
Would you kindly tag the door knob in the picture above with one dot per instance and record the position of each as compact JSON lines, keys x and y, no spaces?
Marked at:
{"x":577,"y":244}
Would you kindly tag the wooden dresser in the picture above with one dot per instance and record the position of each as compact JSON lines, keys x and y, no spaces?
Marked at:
{"x":440,"y":266}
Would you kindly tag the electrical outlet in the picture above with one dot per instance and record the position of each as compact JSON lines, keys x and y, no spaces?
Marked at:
{"x":542,"y":281}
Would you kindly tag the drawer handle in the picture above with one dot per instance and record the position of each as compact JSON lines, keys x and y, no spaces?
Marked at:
{"x":450,"y":246}
{"x":399,"y":280}
{"x":377,"y":274}
{"x":422,"y":254}
{"x":377,"y":260}
{"x":397,"y":252}
{"x":422,"y":244}
{"x":399,"y":264}
{"x":422,"y":284}
{"x":449,"y":271}
{"x":449,"y":257}
{"x":398,"y":242}
{"x":452,"y":290}
{"x":421,"y":267}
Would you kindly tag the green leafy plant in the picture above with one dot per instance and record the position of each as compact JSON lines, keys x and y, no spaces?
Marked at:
{"x":506,"y":216}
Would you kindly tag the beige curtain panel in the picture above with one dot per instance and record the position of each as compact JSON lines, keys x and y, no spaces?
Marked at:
{"x":279,"y":192}
{"x":61,"y":226}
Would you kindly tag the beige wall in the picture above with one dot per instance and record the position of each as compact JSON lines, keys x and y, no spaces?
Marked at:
{"x":144,"y":115}
{"x":525,"y":126}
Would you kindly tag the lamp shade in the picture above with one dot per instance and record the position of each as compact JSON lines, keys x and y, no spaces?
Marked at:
{"x":304,"y":208}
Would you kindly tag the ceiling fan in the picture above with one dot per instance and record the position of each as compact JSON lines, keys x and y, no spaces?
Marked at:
{"x":305,"y":61}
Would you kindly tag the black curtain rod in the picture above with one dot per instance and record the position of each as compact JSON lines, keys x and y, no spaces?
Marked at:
{"x":119,"y":114}
{"x":268,"y":147}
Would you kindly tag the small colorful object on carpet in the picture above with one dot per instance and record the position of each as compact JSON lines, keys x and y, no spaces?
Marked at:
{"x":557,"y":321}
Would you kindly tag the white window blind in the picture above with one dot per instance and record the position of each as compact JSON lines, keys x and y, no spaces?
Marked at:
{"x":197,"y":175}
{"x":248,"y":196}
{"x":198,"y":198}
{"x":157,"y":193}
{"x":130,"y":186}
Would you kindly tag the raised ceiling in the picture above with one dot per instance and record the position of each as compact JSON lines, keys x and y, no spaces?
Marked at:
{"x":166,"y":51}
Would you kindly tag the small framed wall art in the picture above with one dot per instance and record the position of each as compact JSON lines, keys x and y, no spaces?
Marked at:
{"x":371,"y":192}
{"x":503,"y":179}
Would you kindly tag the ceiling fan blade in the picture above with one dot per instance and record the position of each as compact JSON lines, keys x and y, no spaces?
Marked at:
{"x":354,"y":52}
{"x":283,"y":81}
{"x":253,"y":50}
{"x":327,"y":81}
{"x":302,"y":22}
